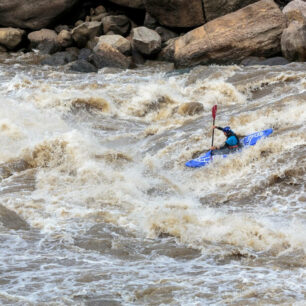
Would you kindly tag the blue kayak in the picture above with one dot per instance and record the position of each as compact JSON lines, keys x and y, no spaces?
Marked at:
{"x":249,"y":140}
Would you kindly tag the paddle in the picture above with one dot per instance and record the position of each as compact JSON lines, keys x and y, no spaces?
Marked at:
{"x":214,"y":113}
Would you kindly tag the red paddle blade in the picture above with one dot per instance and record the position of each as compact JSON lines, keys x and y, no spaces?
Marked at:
{"x":214,"y":111}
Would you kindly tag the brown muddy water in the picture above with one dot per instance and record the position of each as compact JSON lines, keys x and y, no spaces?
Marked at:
{"x":97,"y":207}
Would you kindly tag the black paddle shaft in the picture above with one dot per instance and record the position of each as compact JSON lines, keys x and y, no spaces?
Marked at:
{"x":213,"y":133}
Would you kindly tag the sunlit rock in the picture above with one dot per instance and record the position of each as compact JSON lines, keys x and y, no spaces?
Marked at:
{"x":10,"y":38}
{"x":145,"y":40}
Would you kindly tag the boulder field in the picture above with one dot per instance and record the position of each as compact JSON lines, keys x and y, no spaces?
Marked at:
{"x":125,"y":33}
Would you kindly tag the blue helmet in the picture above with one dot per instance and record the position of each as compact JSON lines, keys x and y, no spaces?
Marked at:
{"x":227,"y":129}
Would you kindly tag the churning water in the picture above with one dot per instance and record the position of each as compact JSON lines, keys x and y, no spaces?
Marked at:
{"x":97,"y":207}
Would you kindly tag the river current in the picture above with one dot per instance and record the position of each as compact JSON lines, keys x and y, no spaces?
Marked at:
{"x":99,"y":208}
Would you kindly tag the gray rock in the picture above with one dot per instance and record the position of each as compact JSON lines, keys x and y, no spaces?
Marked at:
{"x":58,"y":59}
{"x":82,"y":65}
{"x":119,"y":24}
{"x":116,"y":41}
{"x":42,"y":35}
{"x":146,"y":41}
{"x":165,"y":34}
{"x":48,"y":47}
{"x":84,"y":54}
{"x":86,"y":31}
{"x":64,"y":39}
{"x":295,"y":11}
{"x":108,"y":56}
{"x":273,"y":61}
{"x":32,"y":14}
{"x":150,"y":22}
{"x":293,"y":42}
{"x":10,"y":37}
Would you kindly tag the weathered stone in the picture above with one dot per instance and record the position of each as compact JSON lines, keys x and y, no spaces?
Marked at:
{"x":73,"y":51}
{"x":37,"y":37}
{"x":165,"y":34}
{"x":84,"y":54}
{"x":116,"y":41}
{"x":137,"y":57}
{"x":130,"y":3}
{"x":295,"y":11}
{"x":167,"y":53}
{"x":64,"y":39}
{"x":48,"y":47}
{"x":146,"y":41}
{"x":107,"y":56}
{"x":82,"y":65}
{"x":190,"y":108}
{"x":32,"y":14}
{"x":98,"y":17}
{"x":10,"y":37}
{"x":150,"y":22}
{"x":99,"y":10}
{"x":176,"y":13}
{"x":117,"y":24}
{"x":253,"y":30}
{"x":11,"y":220}
{"x":86,"y":31}
{"x":217,"y":8}
{"x":77,"y":23}
{"x":58,"y":59}
{"x":293,"y":42}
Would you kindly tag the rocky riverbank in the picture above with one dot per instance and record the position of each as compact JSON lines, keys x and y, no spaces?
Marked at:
{"x":125,"y":33}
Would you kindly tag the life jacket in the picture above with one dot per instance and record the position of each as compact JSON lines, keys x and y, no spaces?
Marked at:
{"x":238,"y":145}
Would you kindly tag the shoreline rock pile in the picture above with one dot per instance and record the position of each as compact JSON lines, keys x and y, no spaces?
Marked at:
{"x":125,"y":33}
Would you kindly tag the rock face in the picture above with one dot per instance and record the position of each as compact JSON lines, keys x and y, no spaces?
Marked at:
{"x":130,"y":3}
{"x":10,"y":38}
{"x":32,"y":14}
{"x":253,"y":30}
{"x":216,"y":8}
{"x":116,"y":41}
{"x":293,"y":42}
{"x":176,"y":13}
{"x":295,"y":11}
{"x":146,"y":41}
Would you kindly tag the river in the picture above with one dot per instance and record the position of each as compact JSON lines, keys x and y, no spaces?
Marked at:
{"x":94,"y":164}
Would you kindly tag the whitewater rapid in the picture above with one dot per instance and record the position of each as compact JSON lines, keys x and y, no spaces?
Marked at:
{"x":94,"y":164}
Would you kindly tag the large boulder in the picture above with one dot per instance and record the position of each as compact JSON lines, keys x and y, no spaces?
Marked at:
{"x":253,"y":30}
{"x":295,"y":11}
{"x":107,"y":56}
{"x":85,"y":32}
{"x":116,"y":41}
{"x":33,"y":14}
{"x":176,"y":13}
{"x":37,"y":37}
{"x":293,"y":42}
{"x":10,"y":37}
{"x":130,"y":3}
{"x":146,"y":41}
{"x":217,"y":8}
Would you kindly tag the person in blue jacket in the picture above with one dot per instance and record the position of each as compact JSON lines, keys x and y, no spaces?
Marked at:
{"x":231,"y":144}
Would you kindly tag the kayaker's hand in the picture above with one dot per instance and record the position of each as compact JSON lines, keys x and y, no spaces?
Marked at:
{"x":213,"y":127}
{"x":213,"y":148}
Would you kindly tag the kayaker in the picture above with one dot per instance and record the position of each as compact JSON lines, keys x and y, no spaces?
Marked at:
{"x":231,"y":144}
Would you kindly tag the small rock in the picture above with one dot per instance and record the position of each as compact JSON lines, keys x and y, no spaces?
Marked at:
{"x":84,"y":54}
{"x":99,"y":10}
{"x":117,"y":24}
{"x":86,"y":31}
{"x":37,"y":37}
{"x":295,"y":11}
{"x":60,"y":28}
{"x":10,"y":37}
{"x":107,"y":56}
{"x":150,"y":22}
{"x":64,"y":39}
{"x":58,"y":59}
{"x":83,"y":66}
{"x":165,"y":34}
{"x":146,"y":41}
{"x":293,"y":42}
{"x":116,"y":41}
